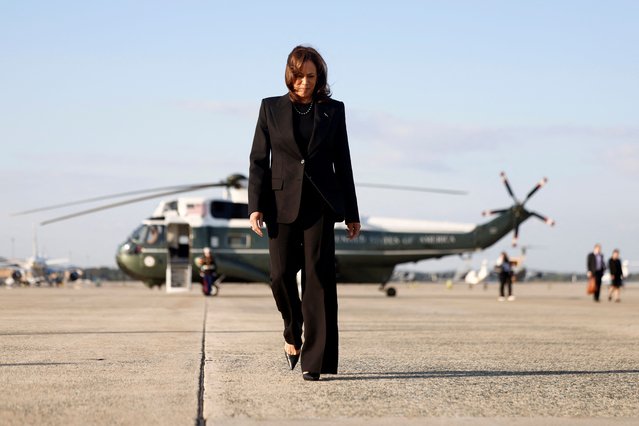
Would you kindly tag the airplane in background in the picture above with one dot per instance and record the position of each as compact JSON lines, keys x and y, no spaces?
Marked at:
{"x":467,"y":274}
{"x":520,"y":272}
{"x":473,"y":277}
{"x":37,"y":270}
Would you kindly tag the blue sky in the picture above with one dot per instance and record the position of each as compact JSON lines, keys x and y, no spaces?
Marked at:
{"x":103,"y":98}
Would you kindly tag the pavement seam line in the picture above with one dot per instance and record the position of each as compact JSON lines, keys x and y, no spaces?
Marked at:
{"x":200,"y":420}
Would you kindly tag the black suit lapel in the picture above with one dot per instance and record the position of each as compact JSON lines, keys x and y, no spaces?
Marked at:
{"x":284,"y":116}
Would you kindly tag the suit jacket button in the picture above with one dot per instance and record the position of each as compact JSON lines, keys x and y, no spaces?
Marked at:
{"x":302,"y":162}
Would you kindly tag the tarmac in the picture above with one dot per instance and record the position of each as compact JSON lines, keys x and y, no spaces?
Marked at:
{"x":121,"y":354}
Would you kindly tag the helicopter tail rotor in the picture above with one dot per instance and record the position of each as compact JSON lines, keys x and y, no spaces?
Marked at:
{"x":518,"y":209}
{"x":547,"y":220}
{"x":516,"y":235}
{"x":492,"y":212}
{"x":537,"y":187}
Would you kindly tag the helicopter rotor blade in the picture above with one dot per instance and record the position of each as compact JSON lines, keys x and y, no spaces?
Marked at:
{"x":537,"y":187}
{"x":132,"y":200}
{"x":546,"y":219}
{"x":118,"y":195}
{"x":412,"y":188}
{"x":231,"y":181}
{"x":234,"y":180}
{"x":492,"y":212}
{"x":516,"y":235}
{"x":507,"y":184}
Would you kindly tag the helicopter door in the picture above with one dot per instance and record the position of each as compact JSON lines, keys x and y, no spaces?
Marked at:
{"x":178,"y":267}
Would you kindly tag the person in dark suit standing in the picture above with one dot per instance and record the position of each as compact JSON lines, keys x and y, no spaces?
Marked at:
{"x":300,"y":185}
{"x":505,"y":269}
{"x":596,"y":267}
{"x":616,"y":276}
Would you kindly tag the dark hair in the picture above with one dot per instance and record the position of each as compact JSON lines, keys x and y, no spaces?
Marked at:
{"x":296,"y":58}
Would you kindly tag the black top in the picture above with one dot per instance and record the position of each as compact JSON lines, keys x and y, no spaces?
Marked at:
{"x":303,"y":125}
{"x":615,"y":270}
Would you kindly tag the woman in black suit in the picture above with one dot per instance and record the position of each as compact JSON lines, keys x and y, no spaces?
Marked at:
{"x":505,"y":277}
{"x":300,"y":184}
{"x":616,"y":276}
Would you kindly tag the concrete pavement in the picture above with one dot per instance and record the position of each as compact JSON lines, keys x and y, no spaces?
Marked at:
{"x":433,"y":354}
{"x":110,"y":355}
{"x":123,"y":354}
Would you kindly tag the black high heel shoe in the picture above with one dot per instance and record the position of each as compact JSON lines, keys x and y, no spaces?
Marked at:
{"x":311,"y":377}
{"x":292,"y":360}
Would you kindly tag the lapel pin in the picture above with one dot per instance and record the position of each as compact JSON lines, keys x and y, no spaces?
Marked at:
{"x":326,"y":115}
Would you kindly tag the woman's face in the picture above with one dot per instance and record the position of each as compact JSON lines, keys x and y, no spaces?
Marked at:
{"x":304,"y":83}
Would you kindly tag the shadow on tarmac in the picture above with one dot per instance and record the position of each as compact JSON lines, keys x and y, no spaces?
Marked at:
{"x":37,"y":364}
{"x":391,"y":375}
{"x":63,"y":333}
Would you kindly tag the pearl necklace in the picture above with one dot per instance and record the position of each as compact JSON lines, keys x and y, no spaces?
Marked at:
{"x":305,"y":112}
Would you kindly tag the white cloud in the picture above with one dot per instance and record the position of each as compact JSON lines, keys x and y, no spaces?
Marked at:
{"x":383,"y":137}
{"x":417,"y":143}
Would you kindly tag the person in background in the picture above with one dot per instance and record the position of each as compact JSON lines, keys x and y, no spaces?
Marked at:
{"x":208,"y":270}
{"x":505,"y":269}
{"x":596,"y":267}
{"x":616,"y":276}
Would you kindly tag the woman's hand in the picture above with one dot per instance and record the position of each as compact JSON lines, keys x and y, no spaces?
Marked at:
{"x":257,"y":223}
{"x":353,"y":229}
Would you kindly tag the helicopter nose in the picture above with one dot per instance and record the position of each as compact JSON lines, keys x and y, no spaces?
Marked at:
{"x":129,"y":248}
{"x":124,"y":261}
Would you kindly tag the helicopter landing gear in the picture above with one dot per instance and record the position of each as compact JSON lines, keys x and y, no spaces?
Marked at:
{"x":390,"y":291}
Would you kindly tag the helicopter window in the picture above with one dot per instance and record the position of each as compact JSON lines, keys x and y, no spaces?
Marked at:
{"x":155,"y":235}
{"x":229,"y":210}
{"x":238,"y":241}
{"x":172,"y":205}
{"x":139,"y":234}
{"x":152,"y":235}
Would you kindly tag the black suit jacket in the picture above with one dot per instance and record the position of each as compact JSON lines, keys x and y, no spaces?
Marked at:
{"x":615,"y":268}
{"x":592,"y":263}
{"x":277,"y":167}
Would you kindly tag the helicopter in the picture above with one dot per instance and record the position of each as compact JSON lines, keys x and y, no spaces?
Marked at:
{"x":178,"y":231}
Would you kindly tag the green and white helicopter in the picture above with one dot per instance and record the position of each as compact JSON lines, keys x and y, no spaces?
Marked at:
{"x":179,"y":230}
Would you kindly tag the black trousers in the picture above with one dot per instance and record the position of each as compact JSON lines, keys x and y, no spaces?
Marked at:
{"x":505,"y":279}
{"x":598,"y":277}
{"x":307,"y":244}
